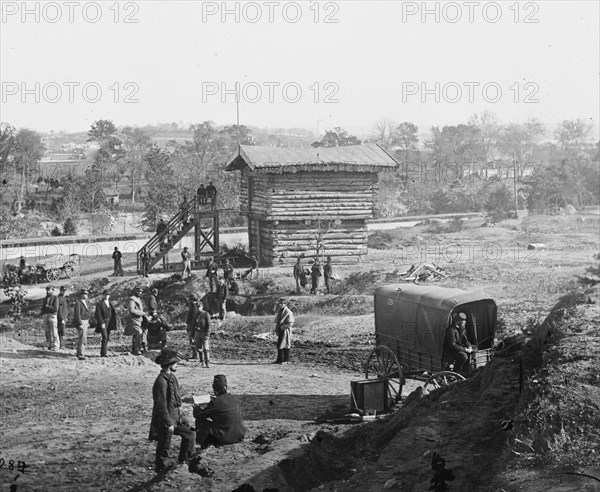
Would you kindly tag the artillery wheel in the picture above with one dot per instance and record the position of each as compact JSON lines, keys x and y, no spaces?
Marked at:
{"x":441,"y":380}
{"x":71,"y":269}
{"x":382,"y":363}
{"x":53,"y":274}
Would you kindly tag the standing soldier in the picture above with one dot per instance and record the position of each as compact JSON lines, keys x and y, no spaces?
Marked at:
{"x":201,"y":192}
{"x":167,"y":417}
{"x":145,"y":262}
{"x":228,"y":272}
{"x":283,"y":329}
{"x":81,"y":321}
{"x":187,"y":262}
{"x":153,"y":301}
{"x":212,"y":271}
{"x":49,"y":318}
{"x":211,"y":194}
{"x":118,"y":266}
{"x":189,"y":319}
{"x":222,"y":295}
{"x":106,"y":321}
{"x":328,"y":274}
{"x":135,"y":319}
{"x":315,"y":273}
{"x":62,"y":316}
{"x":298,"y":268}
{"x":201,"y":333}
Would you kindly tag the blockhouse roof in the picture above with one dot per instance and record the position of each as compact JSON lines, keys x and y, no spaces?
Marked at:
{"x":356,"y":158}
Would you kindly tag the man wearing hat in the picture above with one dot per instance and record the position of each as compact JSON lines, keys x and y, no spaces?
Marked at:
{"x":186,"y":258}
{"x":153,"y":301}
{"x":81,"y":317}
{"x":49,"y":318}
{"x":167,"y":416}
{"x":222,"y":295}
{"x":118,"y":266}
{"x":283,"y":329}
{"x":221,"y":422}
{"x":328,"y":274}
{"x":456,"y":345}
{"x":135,"y":319}
{"x":189,"y":320}
{"x":62,"y":315}
{"x":106,"y":320}
{"x":201,"y":335}
{"x":212,"y":272}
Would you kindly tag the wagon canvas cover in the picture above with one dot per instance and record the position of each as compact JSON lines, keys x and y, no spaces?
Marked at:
{"x":417,"y":316}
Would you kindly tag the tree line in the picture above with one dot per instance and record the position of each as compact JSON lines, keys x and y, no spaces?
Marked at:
{"x":482,"y":165}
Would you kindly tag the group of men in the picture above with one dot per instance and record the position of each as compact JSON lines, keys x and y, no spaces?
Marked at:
{"x":207,"y":194}
{"x":301,"y":274}
{"x":142,"y":324}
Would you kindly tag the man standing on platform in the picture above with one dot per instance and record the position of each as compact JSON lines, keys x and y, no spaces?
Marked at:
{"x":211,"y":194}
{"x":62,"y":316}
{"x":212,"y":272}
{"x":49,"y":318}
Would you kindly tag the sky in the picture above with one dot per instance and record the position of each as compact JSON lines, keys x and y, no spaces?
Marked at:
{"x":315,"y":65}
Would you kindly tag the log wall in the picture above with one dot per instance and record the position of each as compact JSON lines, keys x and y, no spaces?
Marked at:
{"x":288,"y":210}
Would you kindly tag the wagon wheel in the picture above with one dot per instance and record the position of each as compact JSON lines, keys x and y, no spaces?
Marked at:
{"x":383,"y":364}
{"x":442,"y":379}
{"x":71,"y":269}
{"x":52,"y":274}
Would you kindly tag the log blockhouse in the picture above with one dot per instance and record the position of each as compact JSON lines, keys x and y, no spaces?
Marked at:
{"x":298,"y":200}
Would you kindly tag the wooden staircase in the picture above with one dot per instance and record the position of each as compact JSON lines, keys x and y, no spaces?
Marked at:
{"x":188,"y":217}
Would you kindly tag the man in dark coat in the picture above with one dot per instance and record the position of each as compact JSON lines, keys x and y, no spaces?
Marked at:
{"x":221,"y":422}
{"x":328,"y":274}
{"x":62,"y":315}
{"x":212,"y":272}
{"x":298,"y":268}
{"x":118,"y":266}
{"x":144,"y":262}
{"x":457,"y":347}
{"x":167,"y":417}
{"x":201,"y":192}
{"x":153,"y":301}
{"x":315,"y":273}
{"x":50,"y":319}
{"x":161,"y":228}
{"x":211,"y":194}
{"x":201,"y":335}
{"x":106,"y":321}
{"x":81,"y":321}
{"x":228,"y":273}
{"x":222,"y":295}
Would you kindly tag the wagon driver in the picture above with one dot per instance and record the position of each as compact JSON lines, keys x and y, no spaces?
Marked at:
{"x":457,"y":347}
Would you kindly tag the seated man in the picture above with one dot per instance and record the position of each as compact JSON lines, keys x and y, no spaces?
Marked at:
{"x":456,"y":345}
{"x":157,"y":331}
{"x":221,"y":422}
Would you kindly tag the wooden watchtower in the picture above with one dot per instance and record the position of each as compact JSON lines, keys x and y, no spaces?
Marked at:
{"x":302,"y":200}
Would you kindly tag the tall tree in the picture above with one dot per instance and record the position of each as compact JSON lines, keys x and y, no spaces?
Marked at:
{"x":571,"y":135}
{"x":28,"y":150}
{"x":384,"y":132}
{"x":162,"y":187}
{"x":338,"y":137}
{"x":519,"y":141}
{"x":405,"y":137}
{"x":489,"y":127}
{"x":135,"y":144}
{"x":110,"y":147}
